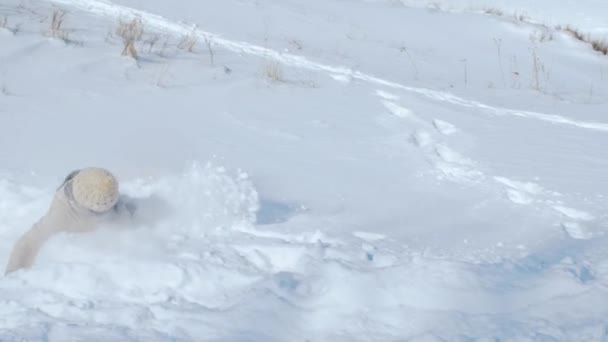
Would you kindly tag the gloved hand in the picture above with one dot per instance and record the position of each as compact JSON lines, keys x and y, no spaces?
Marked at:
{"x":131,"y":207}
{"x":126,"y":206}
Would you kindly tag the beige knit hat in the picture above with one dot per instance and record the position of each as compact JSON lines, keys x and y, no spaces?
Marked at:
{"x":95,"y":189}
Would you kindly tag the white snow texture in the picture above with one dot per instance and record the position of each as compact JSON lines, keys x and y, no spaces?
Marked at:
{"x":320,"y":170}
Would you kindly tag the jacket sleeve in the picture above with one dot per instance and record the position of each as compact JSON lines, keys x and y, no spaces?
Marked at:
{"x":27,"y":247}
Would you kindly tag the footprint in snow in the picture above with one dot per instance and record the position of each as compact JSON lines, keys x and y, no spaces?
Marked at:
{"x":397,"y":110}
{"x":519,"y":192}
{"x":450,"y":164}
{"x":421,"y":138}
{"x":387,"y":96}
{"x":450,"y":156}
{"x":527,"y":187}
{"x":518,"y":197}
{"x":574,"y":214}
{"x":342,"y":78}
{"x":525,"y":192}
{"x":576,"y":231}
{"x":444,"y":127}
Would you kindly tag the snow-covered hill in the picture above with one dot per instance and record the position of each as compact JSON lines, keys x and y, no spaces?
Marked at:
{"x":311,"y":170}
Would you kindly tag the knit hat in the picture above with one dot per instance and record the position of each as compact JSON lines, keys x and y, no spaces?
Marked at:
{"x":95,"y":189}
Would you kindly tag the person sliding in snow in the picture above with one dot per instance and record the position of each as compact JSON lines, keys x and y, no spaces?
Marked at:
{"x":86,"y":199}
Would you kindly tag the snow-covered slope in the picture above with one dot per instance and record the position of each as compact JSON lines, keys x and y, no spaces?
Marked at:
{"x":310,"y":170}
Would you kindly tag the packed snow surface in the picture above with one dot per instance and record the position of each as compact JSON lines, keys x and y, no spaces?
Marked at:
{"x":320,"y":170}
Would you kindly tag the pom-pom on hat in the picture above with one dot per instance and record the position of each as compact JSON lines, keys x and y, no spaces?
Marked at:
{"x":95,"y":189}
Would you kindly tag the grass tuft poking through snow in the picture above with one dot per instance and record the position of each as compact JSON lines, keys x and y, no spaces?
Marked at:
{"x":273,"y":71}
{"x":188,"y":42}
{"x":57,"y":30}
{"x":130,"y":32}
{"x":600,"y":46}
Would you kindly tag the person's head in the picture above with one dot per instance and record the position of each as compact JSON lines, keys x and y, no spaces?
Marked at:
{"x":94,"y":188}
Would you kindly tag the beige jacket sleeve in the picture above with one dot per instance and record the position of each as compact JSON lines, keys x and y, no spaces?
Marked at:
{"x":60,"y":217}
{"x":64,"y":216}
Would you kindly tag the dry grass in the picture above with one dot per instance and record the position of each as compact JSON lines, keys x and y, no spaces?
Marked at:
{"x":498,"y":43}
{"x":541,"y":35}
{"x":404,"y":50}
{"x":578,"y":35}
{"x":296,"y":44}
{"x":537,"y":66}
{"x":600,"y":46}
{"x":521,"y":17}
{"x":57,"y":21}
{"x":57,"y":29}
{"x":546,"y":31}
{"x":274,"y":71}
{"x":209,"y":44}
{"x":160,"y":42}
{"x":493,"y":11}
{"x":541,"y":75}
{"x":130,"y":32}
{"x":188,"y":42}
{"x":151,"y":41}
{"x":4,"y":25}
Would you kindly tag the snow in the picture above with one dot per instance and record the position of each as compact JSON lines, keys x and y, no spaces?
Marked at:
{"x":417,"y":170}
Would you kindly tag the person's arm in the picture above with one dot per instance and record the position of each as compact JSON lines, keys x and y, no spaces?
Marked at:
{"x":27,"y":247}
